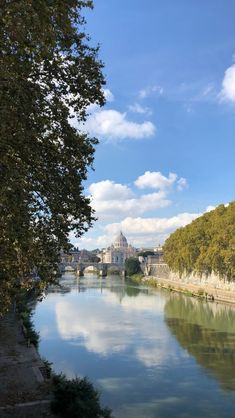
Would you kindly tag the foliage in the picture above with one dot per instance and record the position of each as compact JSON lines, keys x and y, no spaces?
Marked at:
{"x":47,"y":367}
{"x":206,"y":245}
{"x":48,"y":74}
{"x":132,"y":266}
{"x":25,"y":313}
{"x":145,"y":253}
{"x":77,"y":398}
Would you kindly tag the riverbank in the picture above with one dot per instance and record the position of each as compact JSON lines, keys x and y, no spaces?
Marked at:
{"x":24,"y":391}
{"x":202,"y":291}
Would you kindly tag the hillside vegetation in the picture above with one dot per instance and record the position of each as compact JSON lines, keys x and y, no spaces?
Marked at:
{"x":206,"y":245}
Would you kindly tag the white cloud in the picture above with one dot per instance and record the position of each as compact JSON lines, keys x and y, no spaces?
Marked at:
{"x":148,"y":91}
{"x":121,"y":207}
{"x":228,"y":85}
{"x":156,"y":180}
{"x":141,"y":232}
{"x":113,"y":200}
{"x":137,"y":108}
{"x":108,"y":95}
{"x":114,"y":125}
{"x":152,"y":227}
{"x":109,"y":209}
{"x":107,"y":190}
{"x":181,"y":184}
{"x":210,"y":208}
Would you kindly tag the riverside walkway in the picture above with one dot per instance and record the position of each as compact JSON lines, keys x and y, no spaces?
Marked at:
{"x":23,"y":391}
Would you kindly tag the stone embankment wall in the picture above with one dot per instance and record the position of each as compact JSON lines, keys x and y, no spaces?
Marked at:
{"x":213,"y":286}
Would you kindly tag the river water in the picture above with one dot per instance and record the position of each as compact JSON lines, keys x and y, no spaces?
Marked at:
{"x":152,"y":353}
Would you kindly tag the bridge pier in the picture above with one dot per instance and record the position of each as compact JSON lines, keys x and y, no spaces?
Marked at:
{"x":80,"y":272}
{"x":102,"y":272}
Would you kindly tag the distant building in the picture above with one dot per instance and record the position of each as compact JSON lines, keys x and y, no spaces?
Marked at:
{"x":118,"y":252}
{"x":158,"y":256}
{"x":71,"y":256}
{"x":158,"y":249}
{"x":82,"y":256}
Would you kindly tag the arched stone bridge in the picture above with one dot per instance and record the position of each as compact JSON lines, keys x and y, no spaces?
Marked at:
{"x":102,"y":268}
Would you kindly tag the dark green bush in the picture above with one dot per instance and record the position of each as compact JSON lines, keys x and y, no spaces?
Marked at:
{"x":132,"y":266}
{"x":77,"y":398}
{"x":25,"y":313}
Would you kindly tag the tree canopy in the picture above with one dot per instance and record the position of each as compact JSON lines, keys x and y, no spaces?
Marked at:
{"x":49,"y":72}
{"x":145,"y":253}
{"x":132,"y":266}
{"x":206,"y":245}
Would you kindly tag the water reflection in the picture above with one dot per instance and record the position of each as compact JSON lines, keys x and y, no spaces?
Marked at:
{"x":207,"y":331}
{"x":107,"y":324}
{"x":116,"y":333}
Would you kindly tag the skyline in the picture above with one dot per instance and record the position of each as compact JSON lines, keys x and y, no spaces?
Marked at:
{"x":166,"y":132}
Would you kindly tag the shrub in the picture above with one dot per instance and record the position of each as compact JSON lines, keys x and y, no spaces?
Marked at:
{"x":77,"y":398}
{"x":25,"y":313}
{"x":132,"y":266}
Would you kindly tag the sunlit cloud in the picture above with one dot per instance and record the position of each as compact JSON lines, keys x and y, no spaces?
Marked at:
{"x":113,"y":125}
{"x":114,"y":200}
{"x":228,"y":85}
{"x":108,"y":95}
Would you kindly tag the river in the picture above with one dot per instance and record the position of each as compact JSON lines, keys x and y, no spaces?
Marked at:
{"x":152,"y":353}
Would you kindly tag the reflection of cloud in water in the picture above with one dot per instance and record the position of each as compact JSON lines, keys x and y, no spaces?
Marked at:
{"x":90,"y":325}
{"x":113,"y":384}
{"x":141,"y":302}
{"x":45,"y":331}
{"x":104,"y":325}
{"x":150,"y":409}
{"x":155,"y":355}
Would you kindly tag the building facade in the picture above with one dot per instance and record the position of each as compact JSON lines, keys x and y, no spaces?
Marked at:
{"x":119,"y":251}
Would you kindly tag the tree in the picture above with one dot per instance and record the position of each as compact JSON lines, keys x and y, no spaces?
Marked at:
{"x":205,"y":245}
{"x":132,"y":266}
{"x":49,"y":72}
{"x":146,"y":253}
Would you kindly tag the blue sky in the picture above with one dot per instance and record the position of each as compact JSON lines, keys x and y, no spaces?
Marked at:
{"x":166,"y":133}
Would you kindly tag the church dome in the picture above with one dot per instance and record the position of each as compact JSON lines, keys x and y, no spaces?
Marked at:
{"x":120,"y":241}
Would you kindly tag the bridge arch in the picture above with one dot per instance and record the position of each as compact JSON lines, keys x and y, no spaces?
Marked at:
{"x":100,"y":268}
{"x":91,"y":269}
{"x":69,"y":268}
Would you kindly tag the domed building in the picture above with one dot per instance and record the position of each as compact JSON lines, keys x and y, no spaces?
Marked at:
{"x":119,"y":251}
{"x":120,"y":242}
